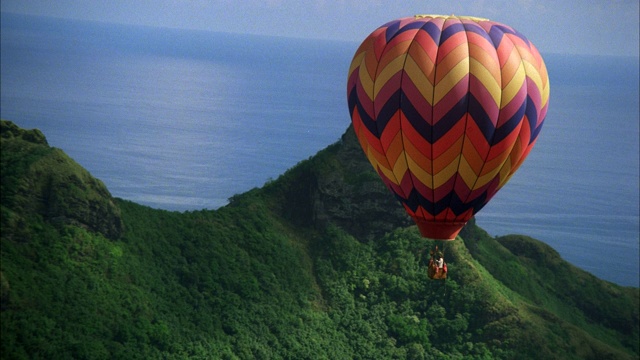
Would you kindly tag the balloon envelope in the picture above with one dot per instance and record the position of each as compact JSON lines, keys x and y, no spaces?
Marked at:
{"x":446,"y":109}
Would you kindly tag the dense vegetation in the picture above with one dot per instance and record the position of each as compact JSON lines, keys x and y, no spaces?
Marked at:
{"x":318,"y":264}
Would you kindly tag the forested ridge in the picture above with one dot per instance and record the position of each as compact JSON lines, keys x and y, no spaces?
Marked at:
{"x":321,"y":263}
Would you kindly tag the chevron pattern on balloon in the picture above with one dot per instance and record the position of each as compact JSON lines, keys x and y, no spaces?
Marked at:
{"x":446,"y":109}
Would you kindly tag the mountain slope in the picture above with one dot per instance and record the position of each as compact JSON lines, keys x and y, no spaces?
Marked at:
{"x":44,"y":181}
{"x":320,"y":263}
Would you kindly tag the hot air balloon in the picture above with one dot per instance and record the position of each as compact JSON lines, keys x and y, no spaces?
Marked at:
{"x":446,"y":109}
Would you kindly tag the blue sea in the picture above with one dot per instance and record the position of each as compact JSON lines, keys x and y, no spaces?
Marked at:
{"x":183,"y":120}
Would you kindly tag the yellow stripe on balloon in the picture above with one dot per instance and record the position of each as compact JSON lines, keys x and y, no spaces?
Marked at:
{"x":400,"y":167}
{"x":395,"y":148}
{"x":450,"y":80}
{"x":513,"y":86}
{"x":546,"y":91}
{"x":414,"y":155}
{"x":377,"y":159}
{"x":356,"y":62}
{"x":445,"y":174}
{"x":487,"y":58}
{"x":487,"y":78}
{"x":465,"y":171}
{"x":471,"y":155}
{"x":366,"y":81}
{"x":419,"y":79}
{"x":447,"y":60}
{"x":486,"y":178}
{"x":509,"y":65}
{"x":379,"y":166}
{"x":387,"y":73}
{"x":420,"y":172}
{"x":534,"y":75}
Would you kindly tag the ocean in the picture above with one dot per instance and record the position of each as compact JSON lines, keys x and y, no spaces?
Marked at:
{"x":183,"y":120}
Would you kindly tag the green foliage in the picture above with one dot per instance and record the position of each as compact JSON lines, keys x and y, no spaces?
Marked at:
{"x":37,"y":179}
{"x":558,"y":293}
{"x":312,"y":266}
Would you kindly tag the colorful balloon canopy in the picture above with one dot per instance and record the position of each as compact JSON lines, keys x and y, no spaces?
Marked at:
{"x":446,"y":109}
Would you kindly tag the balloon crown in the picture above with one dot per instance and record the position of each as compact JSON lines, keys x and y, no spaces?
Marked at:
{"x":472,"y":18}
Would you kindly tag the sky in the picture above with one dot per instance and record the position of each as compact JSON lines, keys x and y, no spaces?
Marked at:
{"x":607,"y":27}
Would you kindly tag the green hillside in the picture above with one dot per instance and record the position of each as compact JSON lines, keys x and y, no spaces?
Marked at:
{"x":321,"y":263}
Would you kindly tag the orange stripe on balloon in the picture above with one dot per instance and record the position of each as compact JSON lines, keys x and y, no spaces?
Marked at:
{"x":447,"y":63}
{"x":448,"y":139}
{"x":449,"y":155}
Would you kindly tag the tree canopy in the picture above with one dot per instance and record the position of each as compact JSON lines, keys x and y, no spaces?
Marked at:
{"x":292,"y":270}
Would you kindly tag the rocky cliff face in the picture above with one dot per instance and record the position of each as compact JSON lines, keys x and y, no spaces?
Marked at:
{"x":43,"y":180}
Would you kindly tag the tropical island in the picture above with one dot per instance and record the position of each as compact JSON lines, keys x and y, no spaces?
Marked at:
{"x":320,"y":263}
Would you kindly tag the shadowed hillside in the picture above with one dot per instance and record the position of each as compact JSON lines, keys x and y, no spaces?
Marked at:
{"x":320,"y":263}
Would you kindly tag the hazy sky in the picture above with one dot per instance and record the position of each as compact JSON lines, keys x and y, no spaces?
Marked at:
{"x":565,"y":26}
